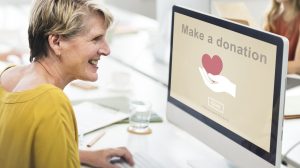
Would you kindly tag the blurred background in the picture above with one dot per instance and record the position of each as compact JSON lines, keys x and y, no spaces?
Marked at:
{"x":144,"y":24}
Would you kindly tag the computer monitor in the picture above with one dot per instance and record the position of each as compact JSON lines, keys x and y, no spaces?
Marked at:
{"x":227,"y":87}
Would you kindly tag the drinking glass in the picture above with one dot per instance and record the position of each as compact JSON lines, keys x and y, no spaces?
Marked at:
{"x":139,"y":118}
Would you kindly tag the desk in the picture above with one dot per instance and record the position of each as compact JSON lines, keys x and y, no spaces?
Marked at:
{"x":291,"y":128}
{"x":167,"y":142}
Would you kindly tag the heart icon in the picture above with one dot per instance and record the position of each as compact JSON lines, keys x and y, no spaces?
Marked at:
{"x":212,"y":65}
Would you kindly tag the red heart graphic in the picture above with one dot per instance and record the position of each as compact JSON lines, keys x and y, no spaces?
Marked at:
{"x":212,"y":65}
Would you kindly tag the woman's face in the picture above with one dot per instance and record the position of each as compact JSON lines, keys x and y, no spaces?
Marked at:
{"x":81,"y":54}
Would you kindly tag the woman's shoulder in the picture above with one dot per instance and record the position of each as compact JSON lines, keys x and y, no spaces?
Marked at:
{"x":55,"y":94}
{"x":23,"y":79}
{"x":4,"y":68}
{"x":51,"y":93}
{"x":10,"y":75}
{"x":53,"y":101}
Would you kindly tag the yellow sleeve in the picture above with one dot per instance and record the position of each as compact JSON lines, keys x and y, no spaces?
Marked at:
{"x":55,"y":139}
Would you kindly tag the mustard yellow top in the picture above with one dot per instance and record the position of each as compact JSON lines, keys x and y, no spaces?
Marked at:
{"x":37,"y":129}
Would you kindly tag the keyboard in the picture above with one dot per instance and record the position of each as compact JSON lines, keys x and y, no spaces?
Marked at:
{"x":142,"y":160}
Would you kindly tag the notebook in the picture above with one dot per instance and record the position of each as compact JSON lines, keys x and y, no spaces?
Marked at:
{"x":291,"y":110}
{"x":91,"y":116}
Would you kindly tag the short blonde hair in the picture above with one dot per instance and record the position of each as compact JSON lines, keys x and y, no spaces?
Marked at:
{"x":59,"y":17}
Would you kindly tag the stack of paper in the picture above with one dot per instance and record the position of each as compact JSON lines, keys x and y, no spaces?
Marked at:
{"x":91,"y":116}
{"x":291,"y":109}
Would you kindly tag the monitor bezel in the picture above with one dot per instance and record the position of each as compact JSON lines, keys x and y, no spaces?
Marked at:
{"x":271,"y":156}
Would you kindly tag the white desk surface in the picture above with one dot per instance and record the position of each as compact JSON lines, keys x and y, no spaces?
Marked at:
{"x":166,"y":142}
{"x":292,"y":127}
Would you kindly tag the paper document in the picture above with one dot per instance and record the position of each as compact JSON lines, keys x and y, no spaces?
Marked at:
{"x":292,"y":106}
{"x":91,"y":116}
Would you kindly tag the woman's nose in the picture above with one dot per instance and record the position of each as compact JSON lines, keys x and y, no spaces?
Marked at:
{"x":104,"y":49}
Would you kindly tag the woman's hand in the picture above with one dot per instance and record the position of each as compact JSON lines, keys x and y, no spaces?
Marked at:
{"x":101,"y":158}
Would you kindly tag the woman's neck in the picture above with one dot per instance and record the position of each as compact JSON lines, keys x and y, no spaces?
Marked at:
{"x":52,"y":71}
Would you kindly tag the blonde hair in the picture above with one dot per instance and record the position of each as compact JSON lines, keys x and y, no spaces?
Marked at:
{"x":275,"y":10}
{"x":59,"y":17}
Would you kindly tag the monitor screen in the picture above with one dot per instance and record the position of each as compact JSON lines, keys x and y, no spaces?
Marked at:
{"x":229,"y":77}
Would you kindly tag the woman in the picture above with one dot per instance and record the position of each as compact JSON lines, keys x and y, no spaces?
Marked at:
{"x":283,"y":18}
{"x":37,"y":123}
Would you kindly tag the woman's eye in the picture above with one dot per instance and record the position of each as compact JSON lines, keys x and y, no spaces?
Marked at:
{"x":97,"y":38}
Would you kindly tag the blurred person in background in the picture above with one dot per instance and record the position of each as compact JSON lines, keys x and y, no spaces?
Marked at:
{"x":283,"y":18}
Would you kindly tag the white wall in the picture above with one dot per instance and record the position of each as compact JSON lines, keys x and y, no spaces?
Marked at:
{"x":144,"y":7}
{"x":15,"y":2}
{"x":14,"y":24}
{"x":163,"y":15}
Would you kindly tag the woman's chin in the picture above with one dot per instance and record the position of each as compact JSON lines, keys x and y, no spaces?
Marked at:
{"x":91,"y":78}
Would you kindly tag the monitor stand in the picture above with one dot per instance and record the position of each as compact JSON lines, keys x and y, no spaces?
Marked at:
{"x":209,"y":163}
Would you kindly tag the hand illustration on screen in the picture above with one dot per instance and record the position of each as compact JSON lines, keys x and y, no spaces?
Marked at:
{"x":217,"y":83}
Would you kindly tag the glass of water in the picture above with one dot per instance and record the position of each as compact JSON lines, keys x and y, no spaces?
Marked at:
{"x":139,"y":118}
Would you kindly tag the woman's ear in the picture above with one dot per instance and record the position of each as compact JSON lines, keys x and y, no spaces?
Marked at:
{"x":54,"y":43}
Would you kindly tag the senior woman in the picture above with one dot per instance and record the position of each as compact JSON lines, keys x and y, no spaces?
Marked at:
{"x":37,"y":122}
